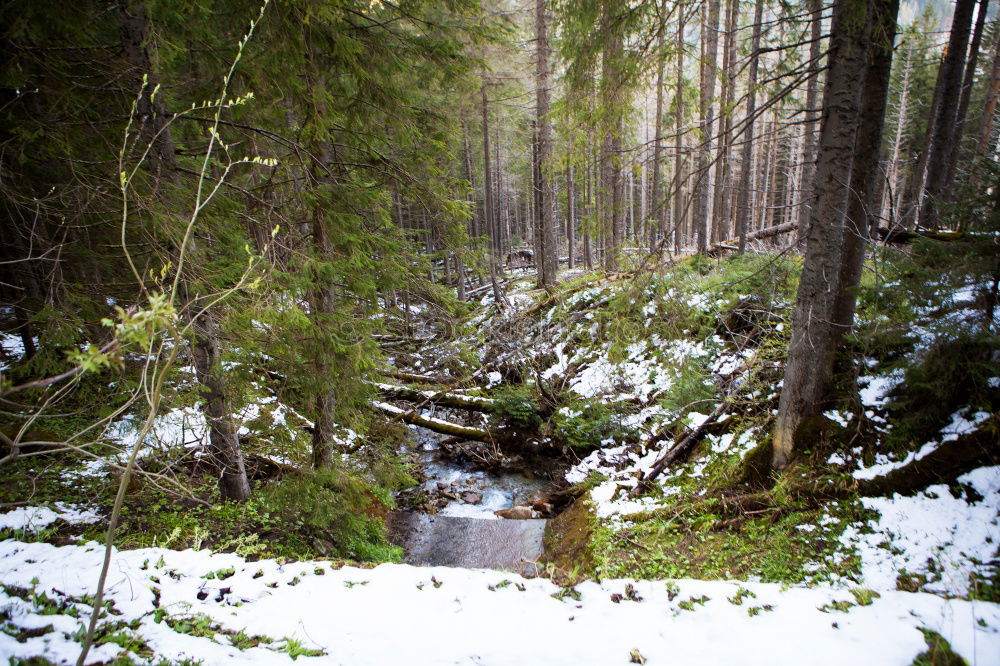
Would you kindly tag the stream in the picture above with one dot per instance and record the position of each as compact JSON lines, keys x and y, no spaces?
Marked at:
{"x":463,"y":531}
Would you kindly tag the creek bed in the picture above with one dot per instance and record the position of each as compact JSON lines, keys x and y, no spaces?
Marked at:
{"x":464,"y":531}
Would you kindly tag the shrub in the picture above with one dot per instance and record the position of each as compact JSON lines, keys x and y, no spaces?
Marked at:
{"x":334,"y":507}
{"x":516,"y":406}
{"x":586,"y":423}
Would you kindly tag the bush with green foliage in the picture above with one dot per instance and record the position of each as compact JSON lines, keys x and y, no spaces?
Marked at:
{"x":336,"y":507}
{"x":584,"y":424}
{"x":517,"y":406}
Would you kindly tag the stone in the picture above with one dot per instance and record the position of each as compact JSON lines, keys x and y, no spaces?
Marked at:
{"x":472,"y":498}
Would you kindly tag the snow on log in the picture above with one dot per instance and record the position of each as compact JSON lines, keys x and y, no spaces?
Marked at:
{"x":437,"y":425}
{"x":440,"y":398}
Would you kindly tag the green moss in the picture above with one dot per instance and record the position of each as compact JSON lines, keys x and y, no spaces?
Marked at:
{"x":568,"y":547}
{"x":952,"y":375}
{"x":939,"y":652}
{"x":695,"y":537}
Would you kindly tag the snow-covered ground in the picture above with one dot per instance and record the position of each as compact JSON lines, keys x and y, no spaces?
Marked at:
{"x":411,"y":615}
{"x":208,"y":607}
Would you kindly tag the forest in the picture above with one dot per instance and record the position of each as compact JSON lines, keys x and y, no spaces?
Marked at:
{"x":500,"y":332}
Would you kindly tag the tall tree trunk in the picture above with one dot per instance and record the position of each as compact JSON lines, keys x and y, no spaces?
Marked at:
{"x":152,"y":119}
{"x":917,"y":184}
{"x":944,"y":130}
{"x":150,"y":111}
{"x":984,"y":142}
{"x":703,"y":179}
{"x":322,"y":293}
{"x":723,"y":188}
{"x":678,"y":131}
{"x":744,"y":203}
{"x":224,"y":443}
{"x":548,"y":261}
{"x":588,"y":251}
{"x":810,"y":353}
{"x":489,"y":210}
{"x":891,"y":196}
{"x":812,"y":117}
{"x":654,"y":200}
{"x":866,"y":190}
{"x":963,"y":104}
{"x":612,"y":157}
{"x":570,"y":215}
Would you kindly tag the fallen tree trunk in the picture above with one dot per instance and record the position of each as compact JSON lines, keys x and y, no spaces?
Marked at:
{"x":680,"y":448}
{"x":420,"y":379}
{"x":756,"y":235}
{"x":904,"y":236}
{"x":386,"y":338}
{"x":559,"y":295}
{"x":440,"y":398}
{"x":437,"y":425}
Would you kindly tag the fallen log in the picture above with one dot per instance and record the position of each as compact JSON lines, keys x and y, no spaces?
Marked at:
{"x":420,"y":379}
{"x":680,"y":448}
{"x":904,"y":236}
{"x":413,"y":340}
{"x":559,"y":295}
{"x":440,"y":398}
{"x":733,"y":243}
{"x":437,"y":425}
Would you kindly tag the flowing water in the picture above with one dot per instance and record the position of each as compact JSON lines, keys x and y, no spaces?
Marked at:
{"x":465,"y":532}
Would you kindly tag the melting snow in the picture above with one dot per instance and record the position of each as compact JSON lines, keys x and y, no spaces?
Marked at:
{"x":35,"y":518}
{"x":399,"y":613}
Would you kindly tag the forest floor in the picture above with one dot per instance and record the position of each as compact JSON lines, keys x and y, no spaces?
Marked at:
{"x":710,"y":565}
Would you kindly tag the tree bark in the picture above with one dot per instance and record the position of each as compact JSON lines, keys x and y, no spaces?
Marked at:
{"x":322,"y":292}
{"x":743,"y":206}
{"x":613,"y":184}
{"x":724,"y":186}
{"x":891,"y":196}
{"x":812,"y":117}
{"x":678,"y":131}
{"x":984,"y":142}
{"x":570,"y":215}
{"x":437,"y":425}
{"x":703,"y":180}
{"x":866,"y":193}
{"x":548,"y":262}
{"x":442,"y":398}
{"x":944,"y":128}
{"x":224,"y":444}
{"x":162,"y":162}
{"x":963,"y":104}
{"x":655,"y":204}
{"x":810,"y":352}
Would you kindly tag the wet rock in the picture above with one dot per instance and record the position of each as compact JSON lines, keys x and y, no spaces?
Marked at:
{"x":542,"y":507}
{"x":520,"y":512}
{"x":472,"y":498}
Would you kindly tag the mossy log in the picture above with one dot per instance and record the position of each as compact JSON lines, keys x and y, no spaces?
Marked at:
{"x":437,"y":425}
{"x":439,"y":398}
{"x":942,"y":465}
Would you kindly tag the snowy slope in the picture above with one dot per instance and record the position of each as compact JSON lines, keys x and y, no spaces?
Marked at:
{"x":410,"y":615}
